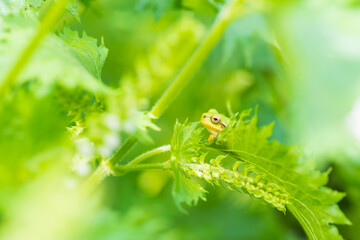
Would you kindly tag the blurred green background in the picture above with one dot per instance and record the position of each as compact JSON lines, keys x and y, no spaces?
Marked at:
{"x":298,"y":61}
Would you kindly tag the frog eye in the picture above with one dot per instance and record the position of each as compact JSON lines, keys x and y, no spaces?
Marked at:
{"x":215,"y":119}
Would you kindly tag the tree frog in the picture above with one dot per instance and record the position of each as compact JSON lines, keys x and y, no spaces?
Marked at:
{"x":214,"y":122}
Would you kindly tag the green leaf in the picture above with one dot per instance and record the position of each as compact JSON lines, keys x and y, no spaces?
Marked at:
{"x":72,"y":8}
{"x":54,"y":62}
{"x":86,"y":50}
{"x":184,"y":148}
{"x":36,"y":3}
{"x":15,"y":6}
{"x":311,"y":203}
{"x":31,"y":130}
{"x":266,"y":170}
{"x":186,"y":191}
{"x":7,"y":7}
{"x":184,"y":141}
{"x":144,"y":121}
{"x":158,"y":7}
{"x":202,"y":6}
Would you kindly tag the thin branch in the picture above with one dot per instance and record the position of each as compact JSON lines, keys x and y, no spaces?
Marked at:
{"x":153,"y":152}
{"x":123,"y":150}
{"x":198,"y":58}
{"x":121,"y":170}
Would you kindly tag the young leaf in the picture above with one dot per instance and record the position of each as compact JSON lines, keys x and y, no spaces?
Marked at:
{"x":142,"y":122}
{"x":73,"y":9}
{"x":311,"y":203}
{"x":86,"y":50}
{"x":184,"y":149}
{"x":53,"y":63}
{"x":186,"y":191}
{"x":36,"y":3}
{"x":184,"y":141}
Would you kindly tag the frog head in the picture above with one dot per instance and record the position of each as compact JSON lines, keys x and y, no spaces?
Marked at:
{"x":213,"y":121}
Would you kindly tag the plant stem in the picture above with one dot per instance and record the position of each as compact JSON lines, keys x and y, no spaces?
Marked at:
{"x":95,"y":178}
{"x":52,"y":16}
{"x":189,"y":70}
{"x":106,"y":168}
{"x":123,"y":150}
{"x":153,"y":152}
{"x":197,"y":59}
{"x":186,"y":74}
{"x":121,"y":170}
{"x":103,"y":171}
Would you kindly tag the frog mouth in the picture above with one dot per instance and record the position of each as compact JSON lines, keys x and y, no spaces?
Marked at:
{"x":212,"y":131}
{"x":210,"y":128}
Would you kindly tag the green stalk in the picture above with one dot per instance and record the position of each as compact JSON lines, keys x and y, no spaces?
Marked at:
{"x":95,"y":178}
{"x":153,"y":152}
{"x":192,"y":66}
{"x":186,"y":74}
{"x":57,"y":9}
{"x":121,"y":170}
{"x":106,"y":167}
{"x":104,"y":170}
{"x":197,"y":59}
{"x":123,"y":150}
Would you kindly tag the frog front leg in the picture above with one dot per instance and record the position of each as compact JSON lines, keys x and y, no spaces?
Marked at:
{"x":211,"y":137}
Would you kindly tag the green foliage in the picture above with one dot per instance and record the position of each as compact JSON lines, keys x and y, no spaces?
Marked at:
{"x":86,"y":50}
{"x":73,"y":8}
{"x":75,"y":111}
{"x":143,"y":122}
{"x":27,"y":7}
{"x":265,"y":170}
{"x":182,"y":142}
{"x":26,"y":126}
{"x":54,"y":63}
{"x":186,"y":191}
{"x":157,"y":7}
{"x":313,"y":204}
{"x":36,"y":3}
{"x":183,"y":150}
{"x":201,"y":6}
